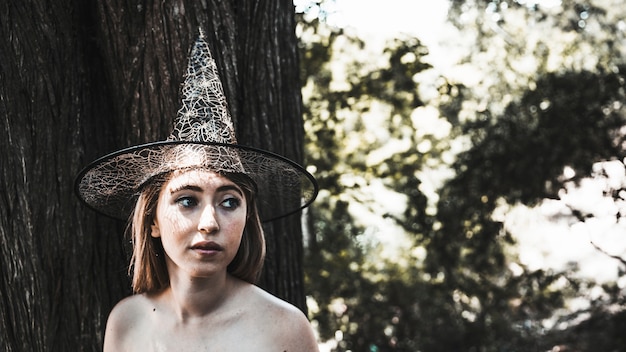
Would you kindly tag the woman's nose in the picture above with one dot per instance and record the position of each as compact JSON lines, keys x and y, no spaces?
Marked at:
{"x":208,"y":220}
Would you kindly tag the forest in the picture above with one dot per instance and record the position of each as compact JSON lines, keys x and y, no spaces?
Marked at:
{"x":533,"y":112}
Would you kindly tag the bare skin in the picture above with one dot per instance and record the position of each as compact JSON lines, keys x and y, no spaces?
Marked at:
{"x":248,"y":319}
{"x":204,"y":308}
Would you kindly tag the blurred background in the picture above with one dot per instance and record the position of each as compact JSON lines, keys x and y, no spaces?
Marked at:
{"x":471,"y":162}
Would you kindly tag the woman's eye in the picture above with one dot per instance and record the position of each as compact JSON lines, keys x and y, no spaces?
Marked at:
{"x":231,"y":203}
{"x":187,"y":202}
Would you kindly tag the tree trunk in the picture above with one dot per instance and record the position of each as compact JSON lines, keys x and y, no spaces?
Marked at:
{"x":79,"y":79}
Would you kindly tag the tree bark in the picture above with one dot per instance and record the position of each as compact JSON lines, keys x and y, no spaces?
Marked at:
{"x":80,"y":79}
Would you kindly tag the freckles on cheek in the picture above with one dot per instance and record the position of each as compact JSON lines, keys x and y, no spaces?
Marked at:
{"x":170,"y":223}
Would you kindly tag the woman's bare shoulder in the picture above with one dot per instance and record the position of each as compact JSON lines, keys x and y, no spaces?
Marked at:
{"x":288,"y":324}
{"x":125,"y":320}
{"x":130,"y":308}
{"x":274,"y":305}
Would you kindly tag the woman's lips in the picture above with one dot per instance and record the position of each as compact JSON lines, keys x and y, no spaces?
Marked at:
{"x":206,"y":247}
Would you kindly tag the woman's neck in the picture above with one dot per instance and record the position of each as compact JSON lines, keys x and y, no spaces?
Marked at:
{"x":193,"y":299}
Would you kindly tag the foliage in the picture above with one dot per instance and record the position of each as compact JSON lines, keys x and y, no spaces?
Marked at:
{"x":457,"y":285}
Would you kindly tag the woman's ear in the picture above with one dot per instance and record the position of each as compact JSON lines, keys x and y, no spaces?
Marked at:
{"x":154,"y":230}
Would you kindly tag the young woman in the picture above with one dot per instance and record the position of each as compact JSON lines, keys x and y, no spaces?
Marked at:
{"x":199,"y":235}
{"x":198,"y":243}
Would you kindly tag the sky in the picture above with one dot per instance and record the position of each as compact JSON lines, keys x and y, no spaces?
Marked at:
{"x":391,"y":17}
{"x":547,"y":237}
{"x":380,"y":20}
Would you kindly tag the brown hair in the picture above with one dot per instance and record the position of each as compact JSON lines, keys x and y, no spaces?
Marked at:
{"x":149,"y":271}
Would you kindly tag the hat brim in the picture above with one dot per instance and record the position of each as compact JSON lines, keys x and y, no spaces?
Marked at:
{"x":111,"y":184}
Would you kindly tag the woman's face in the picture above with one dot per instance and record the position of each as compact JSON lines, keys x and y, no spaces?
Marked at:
{"x":200,"y":218}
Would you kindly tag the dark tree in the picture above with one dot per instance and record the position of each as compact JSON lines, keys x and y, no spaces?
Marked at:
{"x":79,"y":79}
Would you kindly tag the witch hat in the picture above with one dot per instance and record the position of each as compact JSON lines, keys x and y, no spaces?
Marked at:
{"x":203,"y":137}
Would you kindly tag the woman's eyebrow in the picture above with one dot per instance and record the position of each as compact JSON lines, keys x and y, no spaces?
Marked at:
{"x":226,"y":188}
{"x":190,"y":187}
{"x":186,"y":187}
